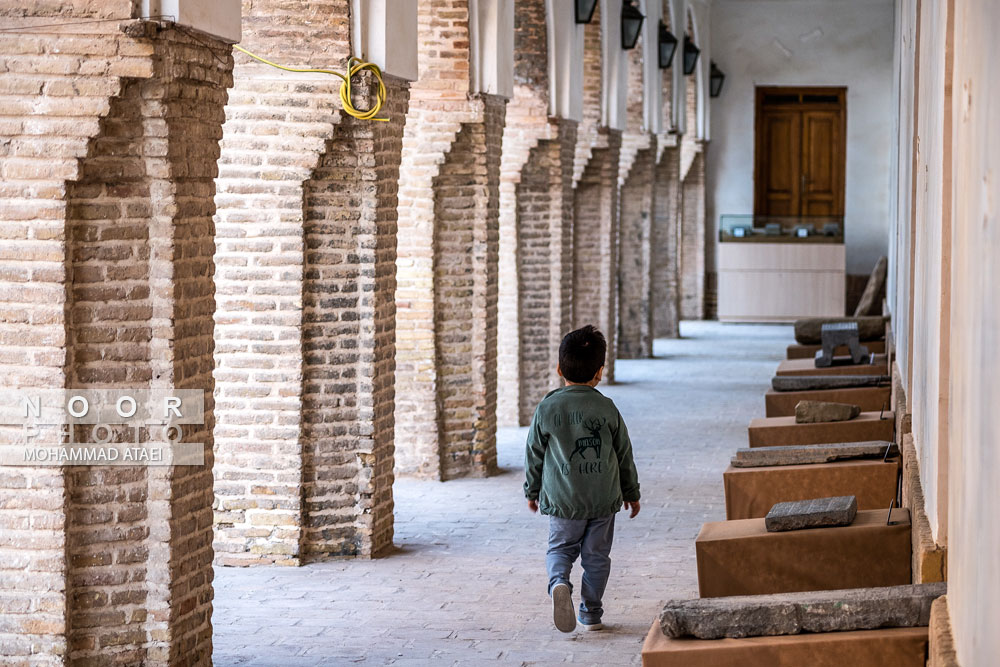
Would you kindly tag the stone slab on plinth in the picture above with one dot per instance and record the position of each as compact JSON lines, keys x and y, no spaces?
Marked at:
{"x":816,"y":412}
{"x":752,"y":492}
{"x":743,"y":558}
{"x":899,"y":647}
{"x":782,"y":403}
{"x":906,"y":606}
{"x":783,"y":431}
{"x":811,"y":513}
{"x":841,"y":366}
{"x":797,"y":382}
{"x":811,"y":454}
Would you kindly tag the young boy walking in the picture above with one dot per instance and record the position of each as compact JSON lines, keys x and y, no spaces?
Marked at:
{"x":579,"y":470}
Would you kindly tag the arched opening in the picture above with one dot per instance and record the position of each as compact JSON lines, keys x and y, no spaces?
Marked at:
{"x":543,"y":244}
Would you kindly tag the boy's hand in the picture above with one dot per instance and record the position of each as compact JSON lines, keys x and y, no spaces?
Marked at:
{"x":633,"y":508}
{"x":533,"y":505}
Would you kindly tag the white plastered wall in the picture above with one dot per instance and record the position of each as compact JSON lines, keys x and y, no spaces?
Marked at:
{"x":565,"y":42}
{"x":491,"y":46}
{"x":898,"y":288}
{"x":974,"y":452}
{"x":220,"y":18}
{"x":384,"y":32}
{"x":806,"y":42}
{"x":928,"y":391}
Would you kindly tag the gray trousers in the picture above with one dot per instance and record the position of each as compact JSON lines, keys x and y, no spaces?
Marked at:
{"x":589,"y":539}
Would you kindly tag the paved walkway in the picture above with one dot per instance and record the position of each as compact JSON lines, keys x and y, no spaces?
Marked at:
{"x":467,"y":584}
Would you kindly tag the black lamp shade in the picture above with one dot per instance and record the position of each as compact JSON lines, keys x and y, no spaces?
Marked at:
{"x":690,"y":55}
{"x":715,"y":80}
{"x":667,"y":44}
{"x":632,"y":20}
{"x":585,"y":10}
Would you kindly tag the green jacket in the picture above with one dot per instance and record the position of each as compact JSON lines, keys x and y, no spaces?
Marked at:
{"x":578,"y":461}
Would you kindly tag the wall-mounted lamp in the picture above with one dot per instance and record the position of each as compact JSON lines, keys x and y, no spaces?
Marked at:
{"x":690,"y":55}
{"x":585,"y":10}
{"x":632,"y":20}
{"x":668,"y":44}
{"x":715,"y":80}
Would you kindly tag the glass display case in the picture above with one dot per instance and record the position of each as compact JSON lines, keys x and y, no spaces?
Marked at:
{"x":780,"y":229}
{"x":778,"y":269}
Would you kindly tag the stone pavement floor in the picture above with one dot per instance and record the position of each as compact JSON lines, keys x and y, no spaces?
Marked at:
{"x":466,"y":583}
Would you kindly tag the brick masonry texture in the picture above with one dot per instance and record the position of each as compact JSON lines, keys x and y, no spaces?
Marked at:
{"x":595,"y":247}
{"x":466,"y":247}
{"x":665,"y":246}
{"x":589,"y":131}
{"x":692,"y":261}
{"x":692,"y":176}
{"x":106,"y":208}
{"x":277,"y":127}
{"x":544,"y":263}
{"x":348,"y":333}
{"x":635,"y":339}
{"x":446,"y":299}
{"x":306,"y":316}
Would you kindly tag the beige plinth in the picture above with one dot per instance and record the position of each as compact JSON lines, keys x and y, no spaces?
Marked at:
{"x":808,"y":367}
{"x":752,"y":492}
{"x":869,"y":399}
{"x":898,"y":647}
{"x":776,"y":431}
{"x":742,"y":558}
{"x":780,"y":282}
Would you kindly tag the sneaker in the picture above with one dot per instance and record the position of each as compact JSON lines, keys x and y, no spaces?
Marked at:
{"x":562,"y":608}
{"x":592,"y":627}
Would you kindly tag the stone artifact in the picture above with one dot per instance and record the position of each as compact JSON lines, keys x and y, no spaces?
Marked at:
{"x":815,"y":513}
{"x":808,"y":331}
{"x":817,"y":382}
{"x":836,"y":334}
{"x":871,"y":299}
{"x":794,"y":613}
{"x":791,"y":455}
{"x":814,"y":412}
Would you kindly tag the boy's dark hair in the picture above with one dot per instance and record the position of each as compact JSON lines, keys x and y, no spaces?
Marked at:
{"x":581,"y":354}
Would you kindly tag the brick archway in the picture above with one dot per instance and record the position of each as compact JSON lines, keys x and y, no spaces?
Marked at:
{"x":544,"y":264}
{"x":635,"y":272}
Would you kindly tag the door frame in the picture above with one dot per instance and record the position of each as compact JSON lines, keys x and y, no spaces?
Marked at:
{"x":759,"y":163}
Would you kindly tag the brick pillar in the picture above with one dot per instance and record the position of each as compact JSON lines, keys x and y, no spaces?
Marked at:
{"x":544,"y":263}
{"x":348,"y":332}
{"x":305,"y":318}
{"x":692,"y":264}
{"x":527,"y":125}
{"x":108,"y":280}
{"x":666,"y":245}
{"x":465,"y":295}
{"x":635,"y":339}
{"x":595,"y":245}
{"x":449,"y":199}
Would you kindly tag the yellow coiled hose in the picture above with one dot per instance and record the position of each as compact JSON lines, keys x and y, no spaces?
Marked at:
{"x":354,"y":65}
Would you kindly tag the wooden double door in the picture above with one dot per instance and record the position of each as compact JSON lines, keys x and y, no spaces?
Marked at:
{"x":800,"y":151}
